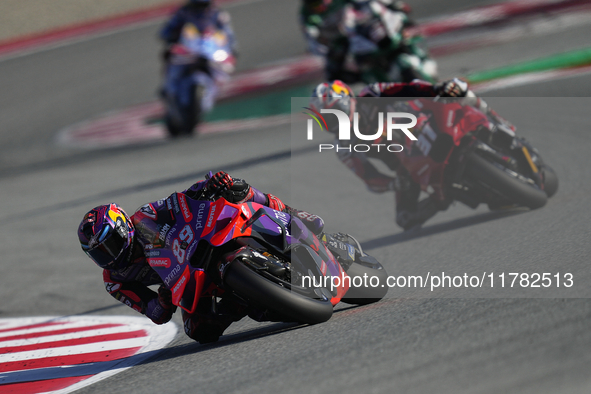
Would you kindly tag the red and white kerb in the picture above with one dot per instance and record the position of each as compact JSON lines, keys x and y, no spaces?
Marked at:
{"x":60,"y":355}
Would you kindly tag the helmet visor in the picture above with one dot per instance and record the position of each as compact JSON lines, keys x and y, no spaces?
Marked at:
{"x":107,"y":251}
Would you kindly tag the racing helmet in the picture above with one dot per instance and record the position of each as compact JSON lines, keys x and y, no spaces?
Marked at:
{"x":106,"y":236}
{"x":333,"y":95}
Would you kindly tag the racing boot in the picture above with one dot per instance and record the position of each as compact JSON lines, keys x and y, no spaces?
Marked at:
{"x":426,"y":209}
{"x":211,"y":319}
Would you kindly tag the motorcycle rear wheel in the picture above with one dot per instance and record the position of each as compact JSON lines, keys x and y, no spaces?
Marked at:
{"x":248,"y":284}
{"x":173,"y":129}
{"x":511,"y":187}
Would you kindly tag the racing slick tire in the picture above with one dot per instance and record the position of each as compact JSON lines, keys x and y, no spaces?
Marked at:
{"x":263,"y":292}
{"x":550,"y":180}
{"x":371,"y":291}
{"x":509,"y":185}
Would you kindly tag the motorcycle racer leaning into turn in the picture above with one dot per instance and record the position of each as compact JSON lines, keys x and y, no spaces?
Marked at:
{"x":194,"y":18}
{"x":410,"y":212}
{"x":115,"y":242}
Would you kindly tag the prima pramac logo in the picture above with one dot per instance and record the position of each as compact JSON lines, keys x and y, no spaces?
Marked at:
{"x":344,"y":127}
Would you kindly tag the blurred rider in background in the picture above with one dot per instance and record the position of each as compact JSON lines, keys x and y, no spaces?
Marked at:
{"x":196,"y":17}
{"x":361,"y":40}
{"x":117,"y":243}
{"x":323,"y":25}
{"x":200,"y":13}
{"x":410,"y":212}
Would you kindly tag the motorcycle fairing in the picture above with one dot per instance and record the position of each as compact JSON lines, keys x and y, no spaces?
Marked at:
{"x":441,"y":128}
{"x":184,"y":224}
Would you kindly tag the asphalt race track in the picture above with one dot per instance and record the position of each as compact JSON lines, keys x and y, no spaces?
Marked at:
{"x":401,"y":345}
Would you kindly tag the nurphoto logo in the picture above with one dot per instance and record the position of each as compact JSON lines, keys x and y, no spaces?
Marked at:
{"x":344,"y":130}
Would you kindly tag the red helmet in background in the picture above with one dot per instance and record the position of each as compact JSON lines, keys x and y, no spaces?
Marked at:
{"x":334,"y":95}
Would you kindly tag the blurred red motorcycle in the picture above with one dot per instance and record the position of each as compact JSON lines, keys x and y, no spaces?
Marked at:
{"x":464,"y":154}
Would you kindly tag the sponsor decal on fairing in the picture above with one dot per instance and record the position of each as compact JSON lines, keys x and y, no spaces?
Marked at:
{"x":159,"y":262}
{"x":199,"y":222}
{"x":149,"y":211}
{"x":163,"y":232}
{"x":185,"y":208}
{"x":172,"y":275}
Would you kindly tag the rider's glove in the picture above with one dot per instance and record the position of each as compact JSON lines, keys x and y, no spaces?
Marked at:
{"x":160,"y":309}
{"x":452,"y":88}
{"x":275,"y":203}
{"x":219,"y":182}
{"x":165,"y":297}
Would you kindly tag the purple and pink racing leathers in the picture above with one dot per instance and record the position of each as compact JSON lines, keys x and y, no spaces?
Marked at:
{"x":131,"y":284}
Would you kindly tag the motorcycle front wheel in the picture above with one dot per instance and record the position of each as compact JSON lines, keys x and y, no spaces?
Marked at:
{"x":182,"y":120}
{"x":267,"y":294}
{"x":372,"y":276}
{"x":550,"y":180}
{"x":508,"y":185}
